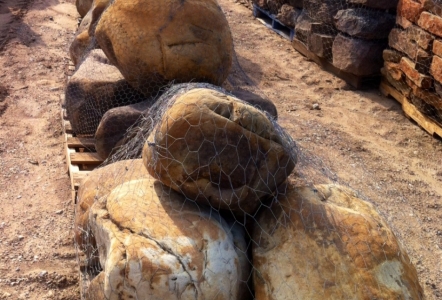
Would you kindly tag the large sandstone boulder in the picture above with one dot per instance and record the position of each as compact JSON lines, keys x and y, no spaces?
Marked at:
{"x":156,"y":245}
{"x":96,"y":87}
{"x":113,"y":126}
{"x":84,"y":39}
{"x":323,"y":242}
{"x":100,"y":182}
{"x":217,"y":150}
{"x":155,"y":42}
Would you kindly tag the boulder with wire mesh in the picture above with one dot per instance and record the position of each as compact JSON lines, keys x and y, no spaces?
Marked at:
{"x":96,"y":87}
{"x":155,"y":42}
{"x":100,"y":182}
{"x":323,"y":242}
{"x":113,"y":126}
{"x":218,"y":150}
{"x":84,"y":39}
{"x":156,"y":245}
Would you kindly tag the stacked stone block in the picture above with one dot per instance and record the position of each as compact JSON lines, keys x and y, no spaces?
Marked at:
{"x":349,"y":34}
{"x":413,"y":64}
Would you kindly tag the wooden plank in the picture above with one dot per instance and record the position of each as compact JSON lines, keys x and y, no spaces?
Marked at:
{"x":87,"y":158}
{"x":78,"y":142}
{"x":358,"y":82}
{"x":78,"y":177}
{"x":411,"y":111}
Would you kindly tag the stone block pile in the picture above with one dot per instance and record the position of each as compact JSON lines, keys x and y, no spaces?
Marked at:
{"x":349,"y":34}
{"x":413,"y":63}
{"x":199,"y":204}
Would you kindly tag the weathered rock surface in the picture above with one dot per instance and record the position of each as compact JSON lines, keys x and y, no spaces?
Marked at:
{"x":363,"y":23}
{"x":100,"y":182}
{"x":391,"y":55}
{"x":321,"y":45}
{"x":431,"y":23}
{"x":219,"y":151}
{"x":357,"y":56}
{"x":274,"y":6}
{"x":153,"y":43}
{"x":323,"y":242}
{"x":96,"y":87}
{"x":323,"y":11}
{"x":83,"y":6}
{"x":156,"y":245}
{"x":257,"y":101}
{"x":114,"y":124}
{"x":303,"y":27}
{"x":436,"y":68}
{"x":288,"y":15}
{"x":395,"y":77}
{"x":409,"y":68}
{"x":84,"y":40}
{"x":410,"y":10}
{"x":379,"y":4}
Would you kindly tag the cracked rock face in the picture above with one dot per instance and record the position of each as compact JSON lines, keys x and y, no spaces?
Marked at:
{"x":100,"y":182}
{"x":323,"y":242}
{"x":154,"y":42}
{"x":153,"y":244}
{"x":218,"y":151}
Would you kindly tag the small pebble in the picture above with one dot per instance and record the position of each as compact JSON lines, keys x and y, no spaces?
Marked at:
{"x":316,"y":106}
{"x":59,"y":212}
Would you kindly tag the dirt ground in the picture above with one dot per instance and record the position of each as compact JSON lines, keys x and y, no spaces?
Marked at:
{"x":361,"y":136}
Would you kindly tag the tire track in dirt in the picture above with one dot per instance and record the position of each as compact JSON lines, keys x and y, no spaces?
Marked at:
{"x":11,"y":12}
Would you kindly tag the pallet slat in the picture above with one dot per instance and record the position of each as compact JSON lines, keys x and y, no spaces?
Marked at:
{"x":271,"y":22}
{"x":357,"y":82}
{"x":86,"y":158}
{"x":76,"y":142}
{"x":411,"y":111}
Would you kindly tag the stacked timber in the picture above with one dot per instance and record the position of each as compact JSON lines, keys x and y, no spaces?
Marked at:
{"x":413,"y":64}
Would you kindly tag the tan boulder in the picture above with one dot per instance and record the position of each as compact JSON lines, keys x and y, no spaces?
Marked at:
{"x":83,"y":6}
{"x":96,"y":87}
{"x":99,"y":183}
{"x":323,"y":242}
{"x":155,"y":42}
{"x":156,"y":245}
{"x":219,"y":151}
{"x":84,"y":39}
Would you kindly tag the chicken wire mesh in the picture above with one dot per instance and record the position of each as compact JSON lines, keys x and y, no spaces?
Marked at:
{"x":207,"y":197}
{"x":350,"y":35}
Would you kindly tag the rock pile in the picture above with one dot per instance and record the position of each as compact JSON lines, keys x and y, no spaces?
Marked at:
{"x":413,"y":64}
{"x":349,"y":34}
{"x":206,"y":210}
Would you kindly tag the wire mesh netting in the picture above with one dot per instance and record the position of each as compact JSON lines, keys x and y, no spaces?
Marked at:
{"x":412,"y":63}
{"x":203,"y":194}
{"x":350,"y":35}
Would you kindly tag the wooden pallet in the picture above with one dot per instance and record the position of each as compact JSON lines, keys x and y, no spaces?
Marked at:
{"x":270,"y":21}
{"x":358,"y":82}
{"x":411,"y":111}
{"x":81,"y":157}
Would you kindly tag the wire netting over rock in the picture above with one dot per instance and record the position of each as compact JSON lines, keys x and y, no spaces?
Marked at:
{"x":203,"y":195}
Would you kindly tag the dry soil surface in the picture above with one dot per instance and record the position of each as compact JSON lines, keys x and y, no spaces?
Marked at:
{"x":362,"y":137}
